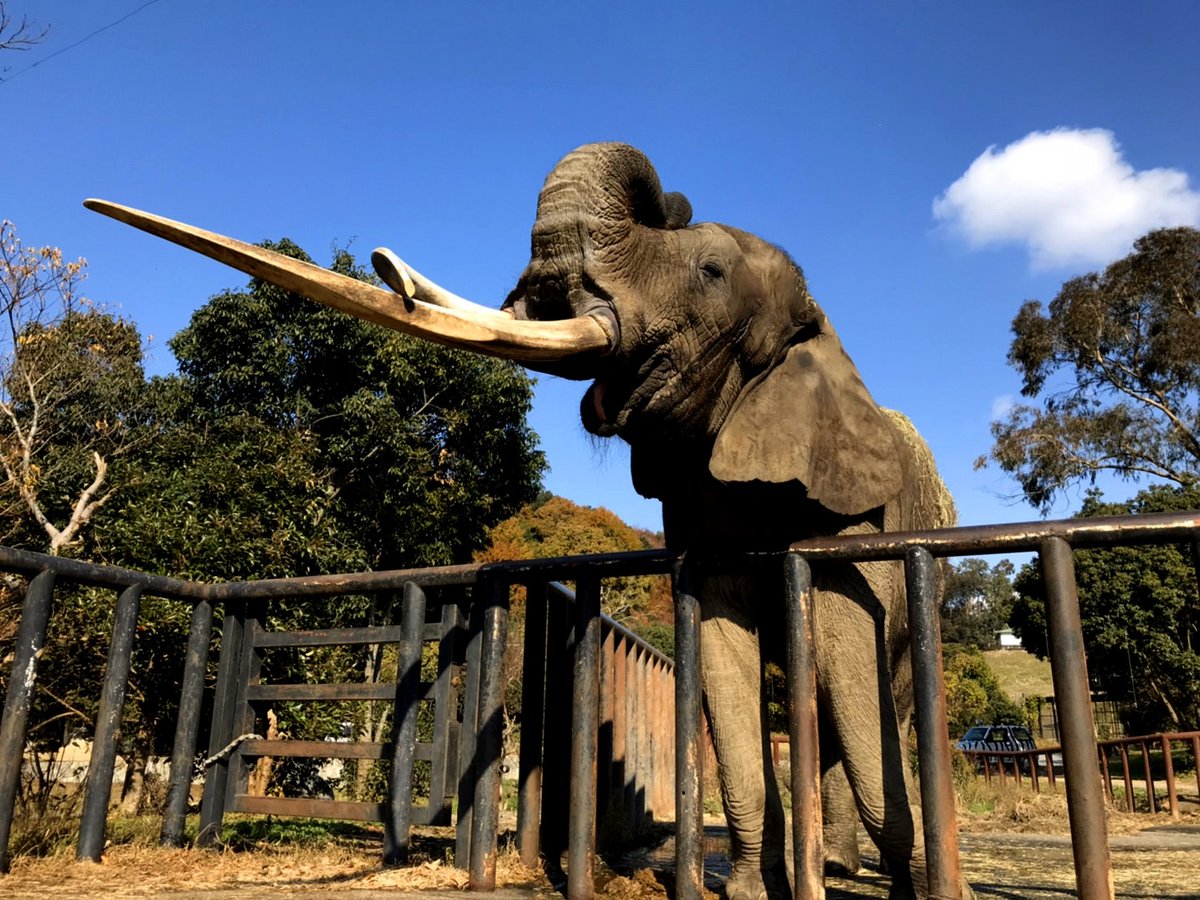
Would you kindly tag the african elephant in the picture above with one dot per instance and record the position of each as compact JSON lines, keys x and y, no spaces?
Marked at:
{"x":748,"y":420}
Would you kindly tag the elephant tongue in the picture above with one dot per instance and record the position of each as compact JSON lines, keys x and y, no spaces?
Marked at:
{"x":598,"y":390}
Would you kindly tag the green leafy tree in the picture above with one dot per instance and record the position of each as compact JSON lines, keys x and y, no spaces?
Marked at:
{"x":1141,"y":617}
{"x":973,"y":695}
{"x":425,"y":446}
{"x":1116,"y":363}
{"x":976,"y":602}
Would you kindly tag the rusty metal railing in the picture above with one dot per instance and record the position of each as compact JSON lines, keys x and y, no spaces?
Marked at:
{"x":1054,"y":542}
{"x":582,"y":633}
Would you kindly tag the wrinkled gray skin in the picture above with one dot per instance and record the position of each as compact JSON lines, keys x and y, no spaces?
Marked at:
{"x":748,"y":420}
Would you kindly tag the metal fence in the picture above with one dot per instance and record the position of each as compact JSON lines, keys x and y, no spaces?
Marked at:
{"x":611,"y":752}
{"x":598,"y":703}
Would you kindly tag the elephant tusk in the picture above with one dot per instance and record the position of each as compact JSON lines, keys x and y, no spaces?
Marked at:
{"x":495,"y":334}
{"x":412,"y":285}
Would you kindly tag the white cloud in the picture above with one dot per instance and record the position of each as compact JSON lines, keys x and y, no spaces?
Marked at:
{"x":1068,"y":196}
{"x":1002,"y":406}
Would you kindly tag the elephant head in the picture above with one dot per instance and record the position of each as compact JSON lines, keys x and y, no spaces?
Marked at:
{"x":719,"y":347}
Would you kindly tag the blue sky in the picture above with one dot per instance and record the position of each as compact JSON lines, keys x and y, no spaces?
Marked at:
{"x":930,"y":165}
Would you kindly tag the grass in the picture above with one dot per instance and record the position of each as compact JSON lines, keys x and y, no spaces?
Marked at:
{"x":1020,"y":674}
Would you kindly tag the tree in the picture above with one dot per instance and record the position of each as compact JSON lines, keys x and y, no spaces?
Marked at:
{"x":976,"y":602}
{"x":70,"y":381}
{"x":974,"y":696}
{"x":18,"y":35}
{"x":1141,"y":617}
{"x":1117,"y":363}
{"x":555,"y":526}
{"x":426,"y":447}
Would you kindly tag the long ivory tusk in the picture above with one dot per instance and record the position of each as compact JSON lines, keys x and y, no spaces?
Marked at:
{"x":412,"y":285}
{"x":495,"y":334}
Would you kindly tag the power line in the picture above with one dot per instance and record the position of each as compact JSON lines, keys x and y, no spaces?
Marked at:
{"x":84,"y":39}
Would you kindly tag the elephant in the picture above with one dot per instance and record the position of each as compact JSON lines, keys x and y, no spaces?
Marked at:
{"x":748,"y":420}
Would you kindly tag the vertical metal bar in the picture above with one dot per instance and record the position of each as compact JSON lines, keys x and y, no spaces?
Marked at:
{"x":183,"y":749}
{"x":604,"y":749}
{"x":1151,"y":800}
{"x":31,"y":638}
{"x":557,"y":728}
{"x":620,"y":769}
{"x":486,"y":819}
{"x":533,"y":701}
{"x":633,"y":737}
{"x":1169,"y":765}
{"x":212,"y":804}
{"x":245,"y":715}
{"x":443,"y":776}
{"x":803,"y":745}
{"x":689,"y":759}
{"x":1126,"y":776}
{"x":1106,"y":776}
{"x":469,"y":735}
{"x":398,"y":821}
{"x":650,"y":770}
{"x":1196,"y":760}
{"x":1068,"y":663}
{"x":942,"y":865}
{"x":108,"y":723}
{"x":581,"y":830}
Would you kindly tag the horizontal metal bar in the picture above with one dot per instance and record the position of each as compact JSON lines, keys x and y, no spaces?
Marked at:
{"x":257,"y":693}
{"x":1104,"y":531}
{"x":314,"y":586}
{"x":329,"y":749}
{"x":12,"y":560}
{"x":354,"y":810}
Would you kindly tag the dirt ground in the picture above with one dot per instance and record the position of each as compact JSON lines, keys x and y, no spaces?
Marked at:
{"x":1152,"y":857}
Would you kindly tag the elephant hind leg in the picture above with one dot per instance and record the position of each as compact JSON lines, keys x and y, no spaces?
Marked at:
{"x":839,"y":815}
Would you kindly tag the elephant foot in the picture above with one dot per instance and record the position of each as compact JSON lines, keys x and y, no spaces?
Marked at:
{"x":747,"y":882}
{"x":842,"y":858}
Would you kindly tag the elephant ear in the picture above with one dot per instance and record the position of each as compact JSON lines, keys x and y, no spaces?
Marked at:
{"x":811,"y":419}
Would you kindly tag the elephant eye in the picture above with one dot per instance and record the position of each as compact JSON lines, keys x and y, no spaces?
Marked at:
{"x":712,"y":271}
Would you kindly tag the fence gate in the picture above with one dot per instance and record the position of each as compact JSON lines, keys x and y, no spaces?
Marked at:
{"x":238,"y":736}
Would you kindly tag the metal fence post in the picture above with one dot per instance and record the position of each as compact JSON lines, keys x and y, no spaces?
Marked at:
{"x":533,"y":702}
{"x":1068,"y":663}
{"x":398,"y":821}
{"x":183,"y":750}
{"x":31,"y":638}
{"x":489,"y":745}
{"x":216,"y":776}
{"x":108,"y":723}
{"x":940,"y":823}
{"x":804,"y":749}
{"x":689,"y":754}
{"x":585,"y":719}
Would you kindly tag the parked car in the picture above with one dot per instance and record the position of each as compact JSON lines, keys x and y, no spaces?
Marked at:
{"x":1001,"y":738}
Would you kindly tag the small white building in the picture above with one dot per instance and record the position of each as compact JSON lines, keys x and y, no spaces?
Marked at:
{"x":1006,"y":640}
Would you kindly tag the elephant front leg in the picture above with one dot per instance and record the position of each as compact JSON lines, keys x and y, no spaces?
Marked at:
{"x":731,"y":670}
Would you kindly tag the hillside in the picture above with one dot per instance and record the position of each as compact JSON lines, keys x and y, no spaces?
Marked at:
{"x":1021,"y":674}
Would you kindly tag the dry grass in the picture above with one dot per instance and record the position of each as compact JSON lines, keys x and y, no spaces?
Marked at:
{"x":345,"y":862}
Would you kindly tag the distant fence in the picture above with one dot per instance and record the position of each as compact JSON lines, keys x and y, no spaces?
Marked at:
{"x":1044,"y":762}
{"x":1105,"y":712}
